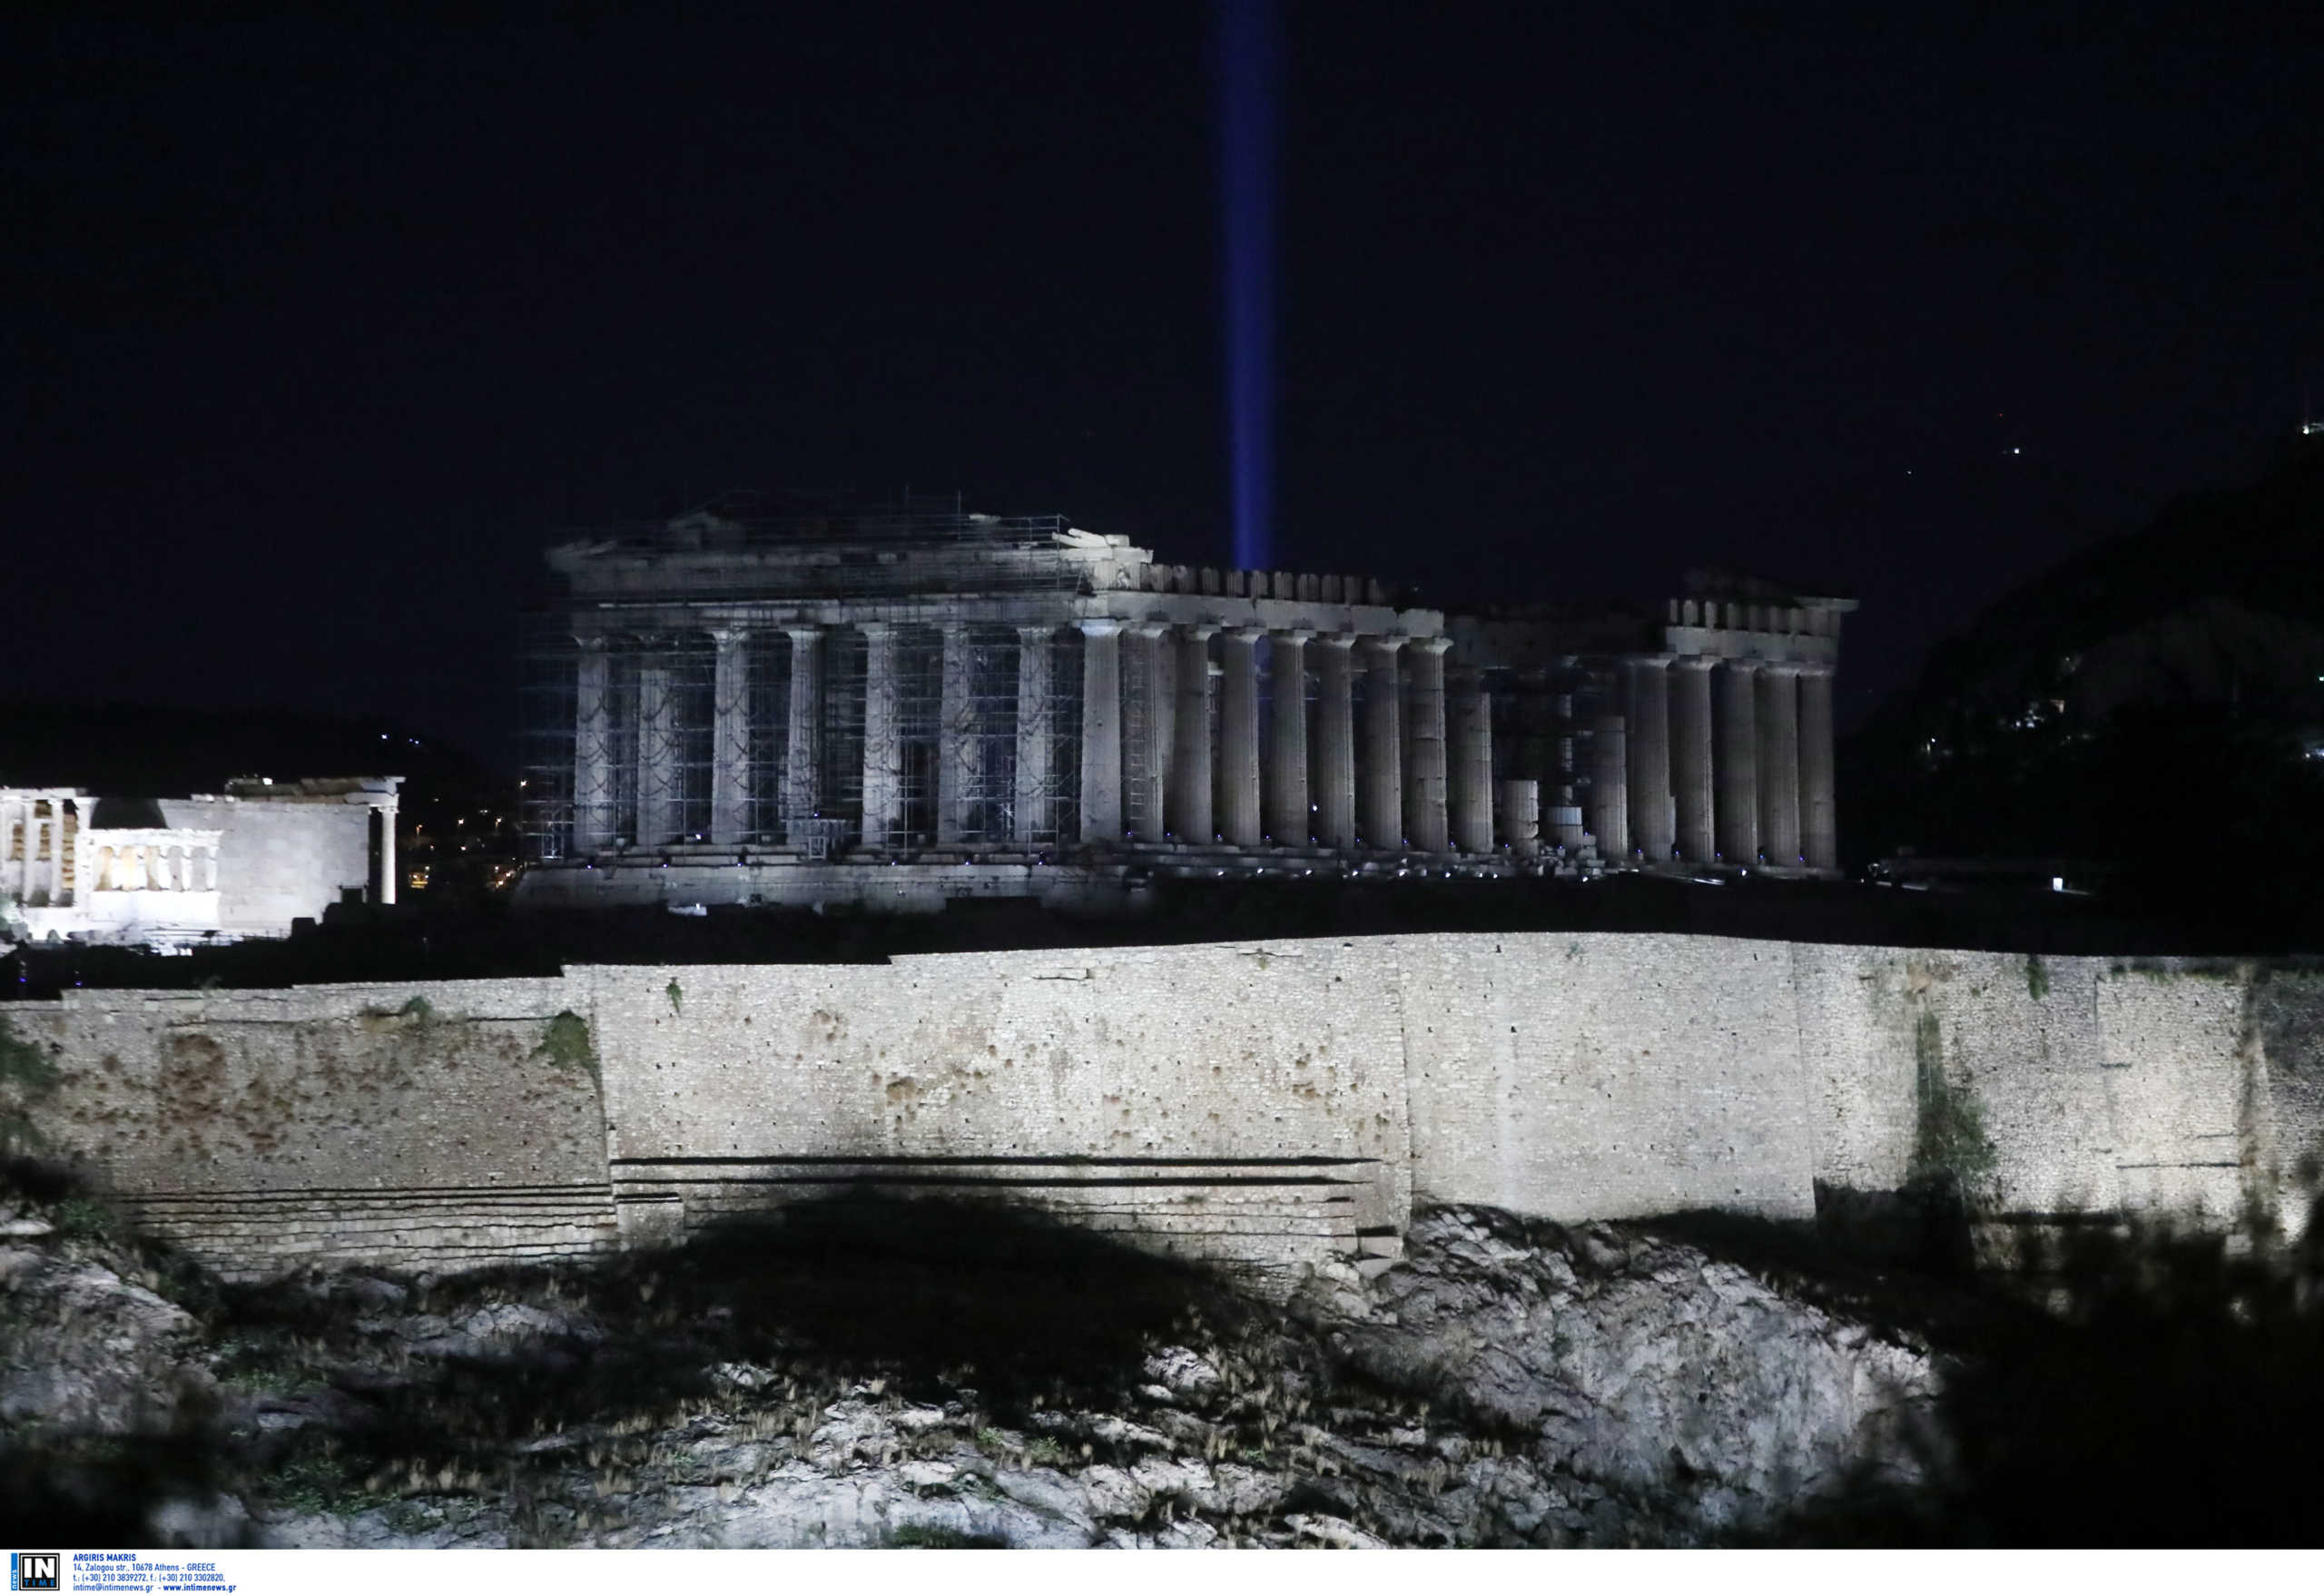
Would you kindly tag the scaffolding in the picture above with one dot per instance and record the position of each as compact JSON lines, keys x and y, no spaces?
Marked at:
{"x":766,"y":663}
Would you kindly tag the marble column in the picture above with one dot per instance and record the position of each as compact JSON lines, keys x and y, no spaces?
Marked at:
{"x":1818,"y":817}
{"x":1334,"y":762}
{"x":1289,"y":821}
{"x":1101,"y":731}
{"x":658,"y":756}
{"x":1424,"y":814}
{"x":592,"y":774}
{"x":730,"y":738}
{"x":388,"y":818}
{"x":1468,"y":784}
{"x":957,"y":747}
{"x":1778,"y":724}
{"x":1690,"y":758}
{"x":1646,"y":706}
{"x":1607,"y":808}
{"x":1190,"y":767}
{"x":802,"y":740}
{"x":1521,"y":816}
{"x":1145,"y":729}
{"x":1033,"y":797}
{"x":883,"y":745}
{"x":1737,"y":762}
{"x":1238,"y":737}
{"x":1380,"y":814}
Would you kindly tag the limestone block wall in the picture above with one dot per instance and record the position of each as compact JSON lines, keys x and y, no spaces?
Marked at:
{"x":412,"y":1125}
{"x":1265,"y":1104}
{"x":1601,"y":1075}
{"x":280,"y":861}
{"x":1236,"y":1102}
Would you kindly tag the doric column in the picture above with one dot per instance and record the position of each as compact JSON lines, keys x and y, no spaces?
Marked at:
{"x":1607,"y":808}
{"x":1190,"y":771}
{"x":1520,"y":817}
{"x":802,"y":740}
{"x":1145,"y":730}
{"x":1035,"y":793}
{"x":1380,"y":814}
{"x":388,"y":818}
{"x":657,"y":752}
{"x":883,"y":747}
{"x":1469,"y":783}
{"x":1690,"y":757}
{"x":1425,"y":816}
{"x":1646,"y":706}
{"x":957,"y":747}
{"x":1101,"y":731}
{"x":1778,"y":717}
{"x":730,"y":738}
{"x":1334,"y":762}
{"x":1737,"y":761}
{"x":593,"y":771}
{"x":1289,"y":820}
{"x":1818,"y":817}
{"x":1238,"y":737}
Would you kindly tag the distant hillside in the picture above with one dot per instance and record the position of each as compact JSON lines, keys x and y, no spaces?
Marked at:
{"x":2155,"y":703}
{"x":144,"y":751}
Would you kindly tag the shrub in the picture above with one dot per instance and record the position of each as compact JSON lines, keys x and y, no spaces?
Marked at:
{"x":1949,"y":1141}
{"x":566,"y":1045}
{"x":27,"y":1075}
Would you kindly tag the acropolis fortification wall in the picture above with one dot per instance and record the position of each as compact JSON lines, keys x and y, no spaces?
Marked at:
{"x":1265,"y":1104}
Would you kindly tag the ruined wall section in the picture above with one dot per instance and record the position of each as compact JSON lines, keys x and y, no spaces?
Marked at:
{"x":1602,"y":1076}
{"x":2285,"y":1044}
{"x":419,"y":1125}
{"x":1243,"y":1103}
{"x":279,"y":862}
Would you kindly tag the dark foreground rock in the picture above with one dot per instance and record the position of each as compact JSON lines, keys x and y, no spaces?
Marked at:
{"x":911,"y":1377}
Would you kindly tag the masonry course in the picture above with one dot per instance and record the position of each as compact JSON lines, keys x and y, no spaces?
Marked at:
{"x":1264,"y":1105}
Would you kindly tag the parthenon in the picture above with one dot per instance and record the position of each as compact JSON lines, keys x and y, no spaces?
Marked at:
{"x":777,"y":703}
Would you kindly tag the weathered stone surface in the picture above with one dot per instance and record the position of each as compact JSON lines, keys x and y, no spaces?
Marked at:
{"x":1638,"y":1364}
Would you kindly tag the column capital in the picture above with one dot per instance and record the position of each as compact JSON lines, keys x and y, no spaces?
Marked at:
{"x":1031,"y":634}
{"x":1148,"y":628}
{"x":1200,"y":631}
{"x":1705,"y":663}
{"x":1386,"y":642}
{"x":1336,"y":639}
{"x":951,"y":628}
{"x":1656,"y":660}
{"x":875,"y":628}
{"x":595,"y":640}
{"x":1436,"y":645}
{"x":1293,"y":634}
{"x":728,"y":636}
{"x":1814,"y":668}
{"x":1783,"y":667}
{"x":1244,"y":634}
{"x":1099,"y":625}
{"x":805,"y":631}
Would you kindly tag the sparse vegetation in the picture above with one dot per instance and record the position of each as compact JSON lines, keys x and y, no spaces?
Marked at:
{"x":1950,"y":1145}
{"x":676,"y":994}
{"x":566,"y":1045}
{"x":2037,"y":977}
{"x":27,"y":1075}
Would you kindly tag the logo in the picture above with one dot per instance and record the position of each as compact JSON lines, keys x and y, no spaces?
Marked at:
{"x":33,"y":1570}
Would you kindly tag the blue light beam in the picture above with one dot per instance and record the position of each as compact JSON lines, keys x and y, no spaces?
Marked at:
{"x":1249,"y":69}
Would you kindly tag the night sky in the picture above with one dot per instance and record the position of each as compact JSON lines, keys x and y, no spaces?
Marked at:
{"x":316,"y":328}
